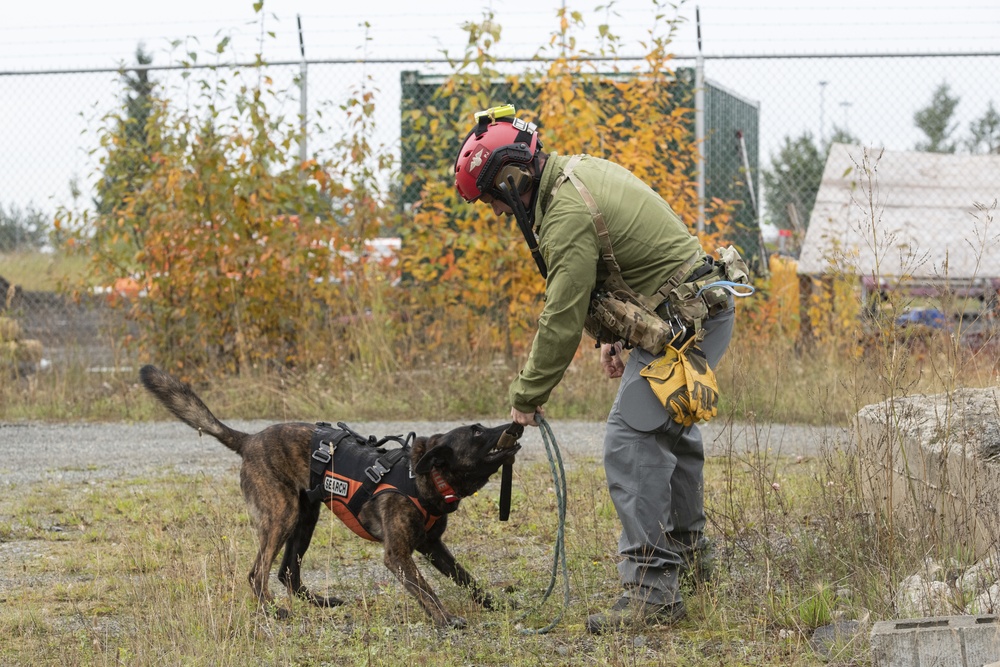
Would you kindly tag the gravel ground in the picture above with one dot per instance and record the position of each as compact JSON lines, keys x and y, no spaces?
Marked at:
{"x":33,"y":452}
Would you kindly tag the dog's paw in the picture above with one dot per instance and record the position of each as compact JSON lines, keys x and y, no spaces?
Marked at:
{"x":456,"y":622}
{"x":492,"y":602}
{"x":274,"y":611}
{"x":500,"y":604}
{"x":326,"y":601}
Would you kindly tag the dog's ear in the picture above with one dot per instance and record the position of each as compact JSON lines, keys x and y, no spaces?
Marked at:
{"x":434,"y":452}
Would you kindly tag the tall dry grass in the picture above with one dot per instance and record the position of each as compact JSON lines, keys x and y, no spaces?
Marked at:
{"x":153,"y":570}
{"x":761,"y":379}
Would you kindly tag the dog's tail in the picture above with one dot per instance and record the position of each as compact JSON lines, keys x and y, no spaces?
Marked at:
{"x":181,"y":400}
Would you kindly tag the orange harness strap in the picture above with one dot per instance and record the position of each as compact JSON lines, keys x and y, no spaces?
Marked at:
{"x":341,"y":505}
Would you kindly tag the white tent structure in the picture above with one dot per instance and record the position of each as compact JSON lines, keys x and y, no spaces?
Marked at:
{"x":899,"y":218}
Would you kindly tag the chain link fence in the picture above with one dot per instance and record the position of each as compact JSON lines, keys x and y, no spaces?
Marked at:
{"x":793,"y":107}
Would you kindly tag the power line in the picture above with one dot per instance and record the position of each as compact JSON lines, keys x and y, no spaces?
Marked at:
{"x":406,"y":61}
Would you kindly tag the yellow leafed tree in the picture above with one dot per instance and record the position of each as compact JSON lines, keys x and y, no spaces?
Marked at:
{"x":473,"y":282}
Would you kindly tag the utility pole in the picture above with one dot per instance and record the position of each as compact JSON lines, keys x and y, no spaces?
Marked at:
{"x":822,"y":105}
{"x":846,"y":105}
{"x":699,"y":122}
{"x":303,"y":95}
{"x":562,"y":33}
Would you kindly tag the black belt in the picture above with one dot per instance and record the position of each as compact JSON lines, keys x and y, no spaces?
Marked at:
{"x":700,"y":271}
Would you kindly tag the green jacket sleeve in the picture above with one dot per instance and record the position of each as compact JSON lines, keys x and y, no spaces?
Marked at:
{"x":569,"y":246}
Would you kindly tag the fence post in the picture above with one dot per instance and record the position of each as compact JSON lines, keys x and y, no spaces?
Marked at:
{"x":806,"y":341}
{"x":303,"y":96}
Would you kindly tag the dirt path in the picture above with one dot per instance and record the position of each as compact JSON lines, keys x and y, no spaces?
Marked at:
{"x":33,"y":452}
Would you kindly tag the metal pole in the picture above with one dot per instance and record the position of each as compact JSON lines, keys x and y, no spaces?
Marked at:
{"x":762,"y":258}
{"x":699,"y":123}
{"x":303,"y":95}
{"x":822,"y":105}
{"x":562,"y":33}
{"x":846,"y":105}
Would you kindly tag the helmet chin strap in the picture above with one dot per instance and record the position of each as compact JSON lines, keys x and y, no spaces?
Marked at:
{"x":510,"y":196}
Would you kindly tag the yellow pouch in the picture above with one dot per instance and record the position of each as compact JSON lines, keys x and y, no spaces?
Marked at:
{"x":703,"y":390}
{"x":684,"y":383}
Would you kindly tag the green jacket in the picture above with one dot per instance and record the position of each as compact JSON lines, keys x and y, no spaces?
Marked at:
{"x":649,"y":241}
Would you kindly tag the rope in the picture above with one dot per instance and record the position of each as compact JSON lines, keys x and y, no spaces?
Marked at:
{"x":559,"y":555}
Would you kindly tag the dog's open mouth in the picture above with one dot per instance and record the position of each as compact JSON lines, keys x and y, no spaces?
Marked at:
{"x":502,"y":454}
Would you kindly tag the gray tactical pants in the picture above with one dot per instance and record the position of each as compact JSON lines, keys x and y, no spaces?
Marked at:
{"x":654,"y":471}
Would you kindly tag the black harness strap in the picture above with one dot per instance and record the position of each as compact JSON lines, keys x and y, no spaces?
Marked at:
{"x":374,"y":475}
{"x":324,"y":441}
{"x":513,"y":200}
{"x":324,"y":444}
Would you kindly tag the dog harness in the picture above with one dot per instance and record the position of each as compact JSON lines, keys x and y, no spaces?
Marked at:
{"x":347,"y":470}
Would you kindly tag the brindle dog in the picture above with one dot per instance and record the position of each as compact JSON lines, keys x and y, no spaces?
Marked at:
{"x":275,"y":476}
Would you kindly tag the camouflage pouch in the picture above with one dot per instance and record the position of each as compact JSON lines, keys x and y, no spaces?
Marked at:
{"x":687,"y":305}
{"x":613,"y":319}
{"x":592,"y":327}
{"x":735,"y":268}
{"x":694,"y":302}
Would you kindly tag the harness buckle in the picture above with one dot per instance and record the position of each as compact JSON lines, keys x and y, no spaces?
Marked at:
{"x":322,"y":454}
{"x":375,"y":471}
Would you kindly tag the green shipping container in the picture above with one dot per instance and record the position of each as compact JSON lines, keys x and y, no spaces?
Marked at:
{"x":727,"y":116}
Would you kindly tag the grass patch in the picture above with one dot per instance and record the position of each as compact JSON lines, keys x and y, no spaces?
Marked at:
{"x":154,"y":569}
{"x":37,"y":271}
{"x":773,"y":384}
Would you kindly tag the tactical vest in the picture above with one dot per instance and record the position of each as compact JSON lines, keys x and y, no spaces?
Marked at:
{"x":347,"y":471}
{"x":687,"y":299}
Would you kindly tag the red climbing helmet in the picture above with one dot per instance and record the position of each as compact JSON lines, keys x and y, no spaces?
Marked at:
{"x":500,"y":145}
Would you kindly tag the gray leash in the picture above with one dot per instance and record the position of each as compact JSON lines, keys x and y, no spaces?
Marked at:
{"x":559,"y":557}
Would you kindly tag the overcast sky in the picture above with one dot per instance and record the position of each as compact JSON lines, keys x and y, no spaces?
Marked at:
{"x":47,"y":123}
{"x":68,"y":33}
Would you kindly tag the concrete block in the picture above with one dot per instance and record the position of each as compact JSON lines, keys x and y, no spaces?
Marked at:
{"x":945,"y":641}
{"x":982,"y":645}
{"x":932,"y":464}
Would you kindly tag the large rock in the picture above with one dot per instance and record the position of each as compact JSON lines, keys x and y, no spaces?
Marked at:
{"x":932,"y":464}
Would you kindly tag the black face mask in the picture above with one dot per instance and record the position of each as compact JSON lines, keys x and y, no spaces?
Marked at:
{"x":508,"y":193}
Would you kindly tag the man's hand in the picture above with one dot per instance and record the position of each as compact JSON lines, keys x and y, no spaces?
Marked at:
{"x":526,"y":418}
{"x":611,"y":359}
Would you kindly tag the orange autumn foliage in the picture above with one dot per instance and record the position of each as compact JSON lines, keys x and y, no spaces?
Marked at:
{"x":474,"y":283}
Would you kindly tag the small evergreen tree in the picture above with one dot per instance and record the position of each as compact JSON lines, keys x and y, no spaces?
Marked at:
{"x":127,"y":161}
{"x":794,"y":178}
{"x":225,"y":232}
{"x":795,"y":175}
{"x":20,"y":229}
{"x":935,"y":120}
{"x":985,"y":132}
